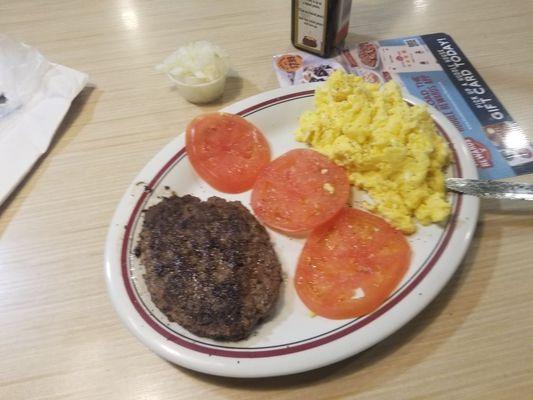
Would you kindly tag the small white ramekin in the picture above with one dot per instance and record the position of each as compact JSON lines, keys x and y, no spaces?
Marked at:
{"x":200,"y":93}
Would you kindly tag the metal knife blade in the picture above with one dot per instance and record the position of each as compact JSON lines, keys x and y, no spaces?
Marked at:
{"x":491,"y":189}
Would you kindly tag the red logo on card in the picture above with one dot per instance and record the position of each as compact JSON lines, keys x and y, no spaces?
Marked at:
{"x":481,"y":154}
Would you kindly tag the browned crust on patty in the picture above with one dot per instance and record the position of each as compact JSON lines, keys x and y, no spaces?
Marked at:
{"x":210,"y":266}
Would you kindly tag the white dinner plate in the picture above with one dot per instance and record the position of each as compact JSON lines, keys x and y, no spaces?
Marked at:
{"x":292,"y":340}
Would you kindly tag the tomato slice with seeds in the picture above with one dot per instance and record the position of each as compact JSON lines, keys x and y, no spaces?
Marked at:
{"x":351,"y":264}
{"x":299,"y":190}
{"x":227,"y":151}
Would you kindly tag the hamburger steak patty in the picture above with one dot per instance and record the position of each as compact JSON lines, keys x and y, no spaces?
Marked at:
{"x":210,"y":265}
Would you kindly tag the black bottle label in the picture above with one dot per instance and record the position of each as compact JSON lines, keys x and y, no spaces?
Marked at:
{"x":310,"y":24}
{"x":319,"y":26}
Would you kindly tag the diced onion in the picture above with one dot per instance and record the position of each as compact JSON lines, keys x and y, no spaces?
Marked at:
{"x":196,"y":63}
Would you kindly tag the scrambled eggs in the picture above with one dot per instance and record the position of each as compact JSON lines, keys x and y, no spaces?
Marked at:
{"x":389,"y":149}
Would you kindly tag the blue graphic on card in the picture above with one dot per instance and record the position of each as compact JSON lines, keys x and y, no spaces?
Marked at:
{"x":431,"y":88}
{"x":434,"y":69}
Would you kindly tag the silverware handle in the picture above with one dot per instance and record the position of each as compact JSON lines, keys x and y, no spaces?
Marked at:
{"x":492,"y":189}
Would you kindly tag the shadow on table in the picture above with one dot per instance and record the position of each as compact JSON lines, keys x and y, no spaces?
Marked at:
{"x":385,"y":348}
{"x":355,"y":38}
{"x":81,"y":102}
{"x":232,"y":90}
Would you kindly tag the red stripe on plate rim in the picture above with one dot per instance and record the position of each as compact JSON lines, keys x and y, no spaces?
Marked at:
{"x":286,"y":349}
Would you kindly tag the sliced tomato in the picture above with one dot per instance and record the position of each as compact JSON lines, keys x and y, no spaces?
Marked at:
{"x":299,"y":190}
{"x":351,"y":264}
{"x":227,"y":151}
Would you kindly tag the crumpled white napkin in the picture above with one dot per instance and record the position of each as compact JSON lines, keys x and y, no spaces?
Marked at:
{"x":35,"y":95}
